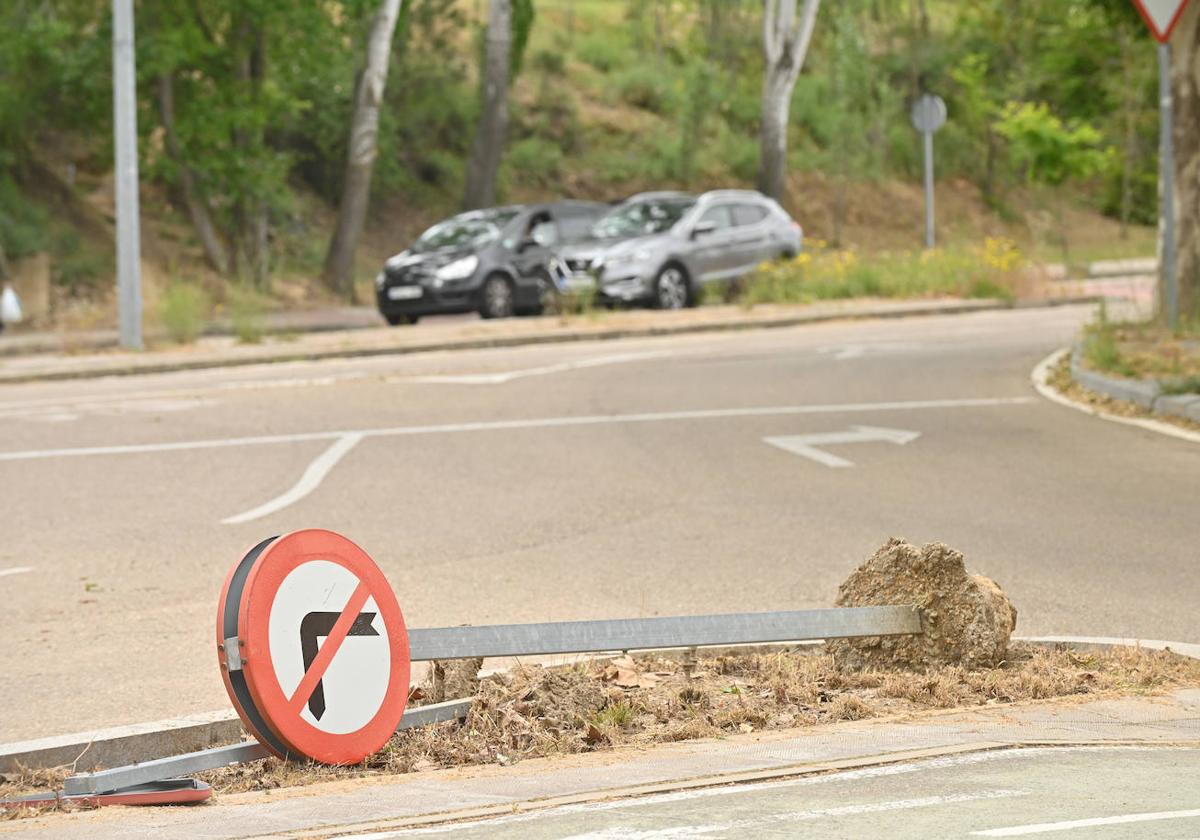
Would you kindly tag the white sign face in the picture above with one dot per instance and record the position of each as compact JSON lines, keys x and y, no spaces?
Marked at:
{"x":352,"y":689}
{"x":1161,"y":15}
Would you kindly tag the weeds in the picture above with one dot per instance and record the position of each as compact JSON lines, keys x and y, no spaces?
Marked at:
{"x":184,"y":310}
{"x":246,"y":316}
{"x":823,"y":273}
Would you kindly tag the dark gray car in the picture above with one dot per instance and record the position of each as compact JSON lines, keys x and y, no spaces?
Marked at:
{"x":492,"y":261}
{"x":662,"y":248}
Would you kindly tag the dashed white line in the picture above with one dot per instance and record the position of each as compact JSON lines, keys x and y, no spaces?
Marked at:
{"x":1067,"y":825}
{"x":502,"y":377}
{"x":532,"y":423}
{"x":310,"y":481}
{"x":16,"y":570}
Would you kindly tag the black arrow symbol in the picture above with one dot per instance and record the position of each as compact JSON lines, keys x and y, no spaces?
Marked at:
{"x":317,"y":624}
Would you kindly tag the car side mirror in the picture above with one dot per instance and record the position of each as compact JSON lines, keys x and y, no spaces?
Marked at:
{"x":702,"y":228}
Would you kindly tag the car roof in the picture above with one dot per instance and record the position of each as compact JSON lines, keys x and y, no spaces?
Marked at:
{"x":568,"y":204}
{"x":752,"y":195}
{"x":658,"y":195}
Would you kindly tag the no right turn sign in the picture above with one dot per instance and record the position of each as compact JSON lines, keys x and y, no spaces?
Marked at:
{"x":317,"y":661}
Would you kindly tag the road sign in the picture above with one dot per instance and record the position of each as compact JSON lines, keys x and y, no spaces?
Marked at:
{"x":313,"y":648}
{"x":806,"y":445}
{"x":1161,"y":16}
{"x":928,"y":115}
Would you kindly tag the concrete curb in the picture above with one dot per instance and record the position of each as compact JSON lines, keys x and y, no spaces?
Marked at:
{"x":1039,"y":377}
{"x":144,"y":741}
{"x":133,"y":367}
{"x":1146,"y":393}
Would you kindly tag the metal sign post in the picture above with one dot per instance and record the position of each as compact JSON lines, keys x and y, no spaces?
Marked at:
{"x":1161,"y":16}
{"x":928,"y":115}
{"x":129,"y":269}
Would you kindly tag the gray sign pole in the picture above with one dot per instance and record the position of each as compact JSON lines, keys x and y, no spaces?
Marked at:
{"x":928,"y":115}
{"x":1167,"y":162}
{"x":129,"y":269}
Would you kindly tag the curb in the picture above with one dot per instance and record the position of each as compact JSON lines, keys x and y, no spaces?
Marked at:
{"x":1146,"y":393}
{"x":1039,"y":377}
{"x":131,"y":368}
{"x":135,"y":743}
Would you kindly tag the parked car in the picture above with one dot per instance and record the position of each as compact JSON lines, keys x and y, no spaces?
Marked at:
{"x":662,"y":248}
{"x":492,"y":261}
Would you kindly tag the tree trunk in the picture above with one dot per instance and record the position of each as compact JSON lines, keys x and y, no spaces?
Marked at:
{"x":193,"y":199}
{"x":785,"y":44}
{"x":488,"y":146}
{"x":1185,"y":91}
{"x":364,"y":147}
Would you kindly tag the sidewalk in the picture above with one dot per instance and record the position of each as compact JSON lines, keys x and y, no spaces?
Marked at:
{"x":458,"y":334}
{"x":430,"y":798}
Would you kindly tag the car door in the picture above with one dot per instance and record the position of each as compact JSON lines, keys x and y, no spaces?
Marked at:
{"x":752,"y":240}
{"x":712,"y":243}
{"x":534,"y":249}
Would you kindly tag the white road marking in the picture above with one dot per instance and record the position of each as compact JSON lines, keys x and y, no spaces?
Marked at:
{"x":1040,"y":377}
{"x":533,"y":423}
{"x":806,"y":445}
{"x":1123,"y":819}
{"x":310,"y":481}
{"x":501,"y":377}
{"x":16,"y":570}
{"x":842,"y":352}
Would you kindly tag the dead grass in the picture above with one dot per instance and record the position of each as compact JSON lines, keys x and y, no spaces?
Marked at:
{"x":533,"y":711}
{"x":1060,"y":380}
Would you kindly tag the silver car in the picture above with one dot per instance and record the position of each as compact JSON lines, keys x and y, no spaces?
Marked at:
{"x":663,"y":247}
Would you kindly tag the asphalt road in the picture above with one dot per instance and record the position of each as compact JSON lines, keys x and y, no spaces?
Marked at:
{"x":1108,"y":793}
{"x":608,"y":479}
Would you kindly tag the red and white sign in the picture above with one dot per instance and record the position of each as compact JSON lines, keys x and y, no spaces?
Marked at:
{"x":319,"y":665}
{"x":1161,"y":15}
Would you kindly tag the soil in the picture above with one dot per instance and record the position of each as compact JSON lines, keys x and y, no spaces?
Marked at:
{"x":967,"y":618}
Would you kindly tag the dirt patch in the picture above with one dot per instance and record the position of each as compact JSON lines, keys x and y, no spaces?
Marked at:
{"x":967,"y":618}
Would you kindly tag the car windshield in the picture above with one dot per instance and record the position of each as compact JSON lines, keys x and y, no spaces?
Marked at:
{"x":641,"y":218}
{"x":469,"y":230}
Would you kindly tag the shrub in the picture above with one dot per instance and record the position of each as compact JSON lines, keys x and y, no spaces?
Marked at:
{"x":601,"y":52}
{"x":535,"y":160}
{"x":184,"y":309}
{"x":642,"y":87}
{"x":246,"y":316}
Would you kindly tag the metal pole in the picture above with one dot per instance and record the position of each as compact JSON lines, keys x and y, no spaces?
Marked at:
{"x":129,"y":269}
{"x":928,"y":188}
{"x":1167,"y":162}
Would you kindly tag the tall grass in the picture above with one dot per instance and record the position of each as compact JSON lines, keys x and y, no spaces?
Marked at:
{"x":822,"y":273}
{"x":183,"y":310}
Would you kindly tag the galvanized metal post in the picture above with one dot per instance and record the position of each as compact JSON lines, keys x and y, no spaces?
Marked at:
{"x":928,"y":189}
{"x":129,"y":269}
{"x":1167,"y":162}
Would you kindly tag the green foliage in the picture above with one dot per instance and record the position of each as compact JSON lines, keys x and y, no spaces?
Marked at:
{"x":523,"y":16}
{"x":246,"y":312}
{"x":534,"y":160}
{"x":602,"y":52}
{"x":643,"y":87}
{"x":1050,"y":151}
{"x":184,"y":309}
{"x":23,"y":226}
{"x":1101,"y":349}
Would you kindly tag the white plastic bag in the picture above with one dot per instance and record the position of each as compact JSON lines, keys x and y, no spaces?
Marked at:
{"x":10,"y":306}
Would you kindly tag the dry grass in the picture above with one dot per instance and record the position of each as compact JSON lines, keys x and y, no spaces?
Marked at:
{"x":1060,"y":380}
{"x":534,"y":711}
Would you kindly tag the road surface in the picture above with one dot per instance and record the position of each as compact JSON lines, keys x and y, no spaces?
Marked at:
{"x":705,"y":473}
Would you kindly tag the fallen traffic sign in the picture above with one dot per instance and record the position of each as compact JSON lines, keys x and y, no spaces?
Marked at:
{"x":337,"y":700}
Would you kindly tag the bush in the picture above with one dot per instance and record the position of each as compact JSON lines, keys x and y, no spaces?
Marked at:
{"x":535,"y":160}
{"x":246,"y":316}
{"x":184,"y":309}
{"x":643,"y":87}
{"x":601,"y":52}
{"x":549,"y":62}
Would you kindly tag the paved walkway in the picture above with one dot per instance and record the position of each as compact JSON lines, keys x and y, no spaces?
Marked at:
{"x":385,"y":805}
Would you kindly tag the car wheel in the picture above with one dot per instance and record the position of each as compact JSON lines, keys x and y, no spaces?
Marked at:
{"x":671,"y":288}
{"x":400,"y":320}
{"x":497,"y":297}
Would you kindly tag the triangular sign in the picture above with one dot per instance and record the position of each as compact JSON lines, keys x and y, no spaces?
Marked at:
{"x":1161,"y":15}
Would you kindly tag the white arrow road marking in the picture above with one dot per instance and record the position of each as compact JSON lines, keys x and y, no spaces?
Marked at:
{"x":1123,"y":819}
{"x":16,"y":570}
{"x":509,"y":375}
{"x":530,"y":423}
{"x":806,"y":445}
{"x":312,"y":478}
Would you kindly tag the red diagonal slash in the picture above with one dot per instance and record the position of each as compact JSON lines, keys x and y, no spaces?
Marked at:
{"x":333,"y":641}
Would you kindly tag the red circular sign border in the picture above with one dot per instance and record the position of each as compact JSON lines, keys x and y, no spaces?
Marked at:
{"x":275,"y":563}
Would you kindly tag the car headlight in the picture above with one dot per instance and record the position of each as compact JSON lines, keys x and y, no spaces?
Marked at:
{"x":459,"y":269}
{"x":394,"y":261}
{"x":380,"y":279}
